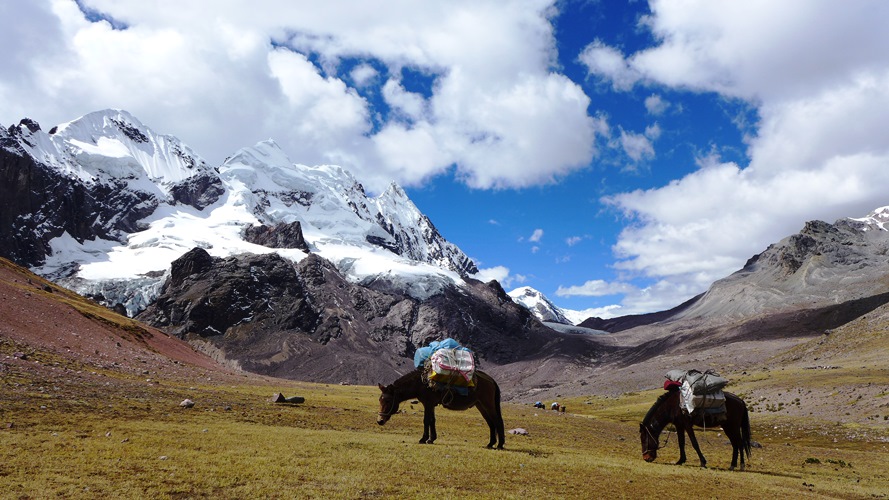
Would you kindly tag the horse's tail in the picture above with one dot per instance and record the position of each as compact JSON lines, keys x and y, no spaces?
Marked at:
{"x":498,"y":414}
{"x":501,"y":430}
{"x":745,"y":429}
{"x":497,"y":398}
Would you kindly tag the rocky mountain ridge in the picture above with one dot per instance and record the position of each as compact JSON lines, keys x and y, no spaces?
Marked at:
{"x":263,"y":264}
{"x":822,"y":265}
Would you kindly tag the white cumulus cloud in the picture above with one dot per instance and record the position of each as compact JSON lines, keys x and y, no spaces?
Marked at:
{"x":819,"y":81}
{"x":307,"y":74}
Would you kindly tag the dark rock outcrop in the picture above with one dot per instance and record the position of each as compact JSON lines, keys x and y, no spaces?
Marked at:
{"x":306,"y":321}
{"x":199,"y":191}
{"x":209,"y":296}
{"x":280,"y":236}
{"x":40,"y":204}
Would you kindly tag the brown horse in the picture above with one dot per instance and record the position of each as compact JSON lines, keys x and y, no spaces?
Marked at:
{"x":667,"y":410}
{"x":485,"y":396}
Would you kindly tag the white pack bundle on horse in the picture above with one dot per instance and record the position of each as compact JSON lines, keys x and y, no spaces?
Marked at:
{"x":700,"y":390}
{"x":452,"y":367}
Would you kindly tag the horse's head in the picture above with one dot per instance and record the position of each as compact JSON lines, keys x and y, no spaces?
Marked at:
{"x":649,"y":443}
{"x":388,"y":403}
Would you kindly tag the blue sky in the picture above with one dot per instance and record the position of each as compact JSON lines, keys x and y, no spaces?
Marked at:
{"x":617,"y":156}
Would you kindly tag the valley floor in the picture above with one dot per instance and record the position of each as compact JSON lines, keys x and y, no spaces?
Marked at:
{"x":74,"y":430}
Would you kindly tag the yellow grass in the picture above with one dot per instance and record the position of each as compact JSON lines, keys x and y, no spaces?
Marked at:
{"x":113,"y":437}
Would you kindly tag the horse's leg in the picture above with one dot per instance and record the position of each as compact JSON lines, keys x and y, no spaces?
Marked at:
{"x":428,"y":424}
{"x":432,"y":434}
{"x":486,"y":414}
{"x":491,"y":414}
{"x":734,"y":436}
{"x":680,"y":437}
{"x":501,"y":432}
{"x":498,"y":417}
{"x":694,"y":443}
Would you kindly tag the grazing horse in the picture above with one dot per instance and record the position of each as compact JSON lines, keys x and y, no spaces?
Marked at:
{"x":667,"y":410}
{"x":485,"y":396}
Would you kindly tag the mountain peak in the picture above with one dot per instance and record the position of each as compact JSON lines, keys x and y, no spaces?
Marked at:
{"x":112,"y":146}
{"x":539,"y":305}
{"x":153,"y":199}
{"x":876,"y":220}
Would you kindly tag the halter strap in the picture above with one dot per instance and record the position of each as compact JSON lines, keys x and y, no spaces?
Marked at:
{"x":391,"y":408}
{"x":655,"y":439}
{"x":657,"y":443}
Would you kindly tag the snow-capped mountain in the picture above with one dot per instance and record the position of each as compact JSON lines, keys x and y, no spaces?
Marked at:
{"x":539,"y":305}
{"x":544,"y":310}
{"x":104,"y":205}
{"x":876,"y":220}
{"x":292,"y":270}
{"x":111,"y":145}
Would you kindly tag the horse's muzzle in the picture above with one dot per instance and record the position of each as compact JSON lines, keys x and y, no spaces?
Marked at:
{"x":648,"y":457}
{"x":382,"y":420}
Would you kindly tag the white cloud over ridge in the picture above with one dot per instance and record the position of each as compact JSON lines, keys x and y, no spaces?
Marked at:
{"x":819,"y":80}
{"x":596,"y":288}
{"x":496,"y":111}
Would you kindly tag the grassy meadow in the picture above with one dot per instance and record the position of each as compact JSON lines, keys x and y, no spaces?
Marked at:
{"x":77,"y":434}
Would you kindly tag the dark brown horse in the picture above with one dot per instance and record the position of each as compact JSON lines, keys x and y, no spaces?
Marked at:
{"x":666,"y":410}
{"x":485,"y":396}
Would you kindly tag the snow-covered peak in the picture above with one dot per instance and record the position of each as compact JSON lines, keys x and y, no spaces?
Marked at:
{"x":333,"y":208}
{"x":539,"y":305}
{"x":111,"y":145}
{"x":415,"y":235}
{"x":327,"y":200}
{"x":876,"y":220}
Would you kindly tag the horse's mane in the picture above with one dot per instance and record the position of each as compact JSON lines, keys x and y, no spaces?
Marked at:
{"x":657,"y":404}
{"x":406,"y":377}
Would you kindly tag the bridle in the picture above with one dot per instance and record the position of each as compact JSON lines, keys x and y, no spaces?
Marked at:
{"x":654,"y":439}
{"x":392,"y":409}
{"x":652,"y":418}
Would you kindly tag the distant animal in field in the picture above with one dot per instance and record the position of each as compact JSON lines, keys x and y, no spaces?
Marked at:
{"x":485,"y":396}
{"x":667,"y":410}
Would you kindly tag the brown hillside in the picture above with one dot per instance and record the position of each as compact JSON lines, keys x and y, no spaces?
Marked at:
{"x":39,"y":316}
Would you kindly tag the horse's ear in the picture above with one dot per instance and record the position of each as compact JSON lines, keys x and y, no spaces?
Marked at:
{"x":382,"y":389}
